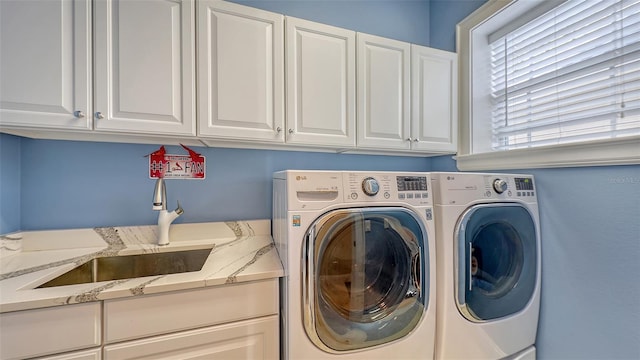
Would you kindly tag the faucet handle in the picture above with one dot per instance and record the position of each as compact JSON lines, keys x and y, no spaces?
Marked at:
{"x":179,"y":209}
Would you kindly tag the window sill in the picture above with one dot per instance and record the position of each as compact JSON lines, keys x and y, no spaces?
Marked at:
{"x":625,"y":151}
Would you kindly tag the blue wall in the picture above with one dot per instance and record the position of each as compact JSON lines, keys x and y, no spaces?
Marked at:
{"x":67,"y":184}
{"x":589,"y":216}
{"x":445,"y":15}
{"x":405,"y":20}
{"x":10,"y":186}
{"x":590,"y":229}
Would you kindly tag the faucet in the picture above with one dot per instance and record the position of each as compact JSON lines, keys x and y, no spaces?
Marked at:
{"x":165,"y":218}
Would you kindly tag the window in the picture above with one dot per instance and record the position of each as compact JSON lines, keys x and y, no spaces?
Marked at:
{"x":550,"y":83}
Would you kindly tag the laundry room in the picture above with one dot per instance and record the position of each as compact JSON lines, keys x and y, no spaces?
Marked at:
{"x":78,"y":163}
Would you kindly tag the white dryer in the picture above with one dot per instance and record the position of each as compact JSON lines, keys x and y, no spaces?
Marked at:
{"x":358,"y":253}
{"x":488,"y":253}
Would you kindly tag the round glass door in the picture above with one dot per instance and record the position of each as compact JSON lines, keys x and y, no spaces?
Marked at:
{"x":497,"y":256}
{"x":364,"y":276}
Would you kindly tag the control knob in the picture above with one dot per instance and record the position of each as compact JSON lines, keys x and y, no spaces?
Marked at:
{"x":370,"y":186}
{"x":499,"y":186}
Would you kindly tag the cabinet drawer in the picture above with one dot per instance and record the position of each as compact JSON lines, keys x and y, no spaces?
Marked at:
{"x":127,"y":319}
{"x":249,"y":339}
{"x":48,"y":331}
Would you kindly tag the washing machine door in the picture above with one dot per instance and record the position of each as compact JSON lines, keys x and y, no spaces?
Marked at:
{"x":496,"y":257}
{"x":364,"y":277}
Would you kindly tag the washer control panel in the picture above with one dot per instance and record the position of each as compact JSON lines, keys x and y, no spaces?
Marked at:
{"x":411,"y":188}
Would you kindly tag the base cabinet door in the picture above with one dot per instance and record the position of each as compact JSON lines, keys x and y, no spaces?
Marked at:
{"x":249,"y":339}
{"x":434,"y":119}
{"x":145,"y":66}
{"x":45,"y":64}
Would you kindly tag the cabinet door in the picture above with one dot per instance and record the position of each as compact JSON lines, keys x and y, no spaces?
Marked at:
{"x":249,"y":339}
{"x":320,"y":84}
{"x":384,"y":93}
{"x":435,"y":99}
{"x":144,"y":66}
{"x":240,"y":72}
{"x":45,"y":64}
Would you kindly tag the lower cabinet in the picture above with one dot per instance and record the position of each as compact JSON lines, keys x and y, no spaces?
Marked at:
{"x":234,"y":321}
{"x":249,"y":339}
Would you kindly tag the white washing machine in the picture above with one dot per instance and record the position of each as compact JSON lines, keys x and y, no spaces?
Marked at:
{"x":488,"y":253}
{"x":358,"y":253}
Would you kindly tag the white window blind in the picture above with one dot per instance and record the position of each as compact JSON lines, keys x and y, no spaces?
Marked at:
{"x":569,"y":75}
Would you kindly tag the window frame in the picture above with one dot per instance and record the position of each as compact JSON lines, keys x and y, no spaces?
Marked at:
{"x":474,"y":142}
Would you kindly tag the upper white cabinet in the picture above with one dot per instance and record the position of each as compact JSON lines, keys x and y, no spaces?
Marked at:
{"x":384,"y":93}
{"x":145,"y":66}
{"x":406,"y":96}
{"x":240,"y":72}
{"x":321,"y":86}
{"x":45,"y":64}
{"x":143,"y":56}
{"x":126,"y":69}
{"x":434,"y":99}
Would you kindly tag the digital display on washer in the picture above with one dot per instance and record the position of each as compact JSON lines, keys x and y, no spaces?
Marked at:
{"x":524,"y":183}
{"x":411,"y":183}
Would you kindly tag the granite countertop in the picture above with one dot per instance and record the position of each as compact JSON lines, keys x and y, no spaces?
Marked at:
{"x":242,"y":251}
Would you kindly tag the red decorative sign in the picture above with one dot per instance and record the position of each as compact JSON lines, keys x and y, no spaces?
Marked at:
{"x":167,"y":166}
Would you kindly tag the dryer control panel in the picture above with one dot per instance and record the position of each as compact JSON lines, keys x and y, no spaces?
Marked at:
{"x":412,"y":188}
{"x":462,"y":188}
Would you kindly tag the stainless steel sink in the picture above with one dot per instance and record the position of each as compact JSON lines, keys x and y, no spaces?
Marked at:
{"x":132,"y":266}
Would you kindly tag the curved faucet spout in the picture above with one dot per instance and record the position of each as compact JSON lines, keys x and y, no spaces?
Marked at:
{"x":160,"y":195}
{"x":165,"y":218}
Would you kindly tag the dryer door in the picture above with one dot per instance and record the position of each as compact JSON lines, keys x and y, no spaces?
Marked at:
{"x":497,"y":257}
{"x":364,"y":277}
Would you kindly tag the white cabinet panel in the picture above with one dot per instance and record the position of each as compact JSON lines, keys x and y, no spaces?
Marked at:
{"x":51,"y":330}
{"x":127,"y":319}
{"x":144,"y":66}
{"x":320,"y":84}
{"x":435,"y":94}
{"x":240,"y":72}
{"x":249,"y":339}
{"x":45,"y":64}
{"x":384,"y":93}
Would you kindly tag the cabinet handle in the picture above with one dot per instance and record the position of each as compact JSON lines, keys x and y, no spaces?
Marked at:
{"x":278,"y":129}
{"x":79,"y":114}
{"x":290,"y":131}
{"x":99,"y":115}
{"x":416,"y":140}
{"x":409,"y":139}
